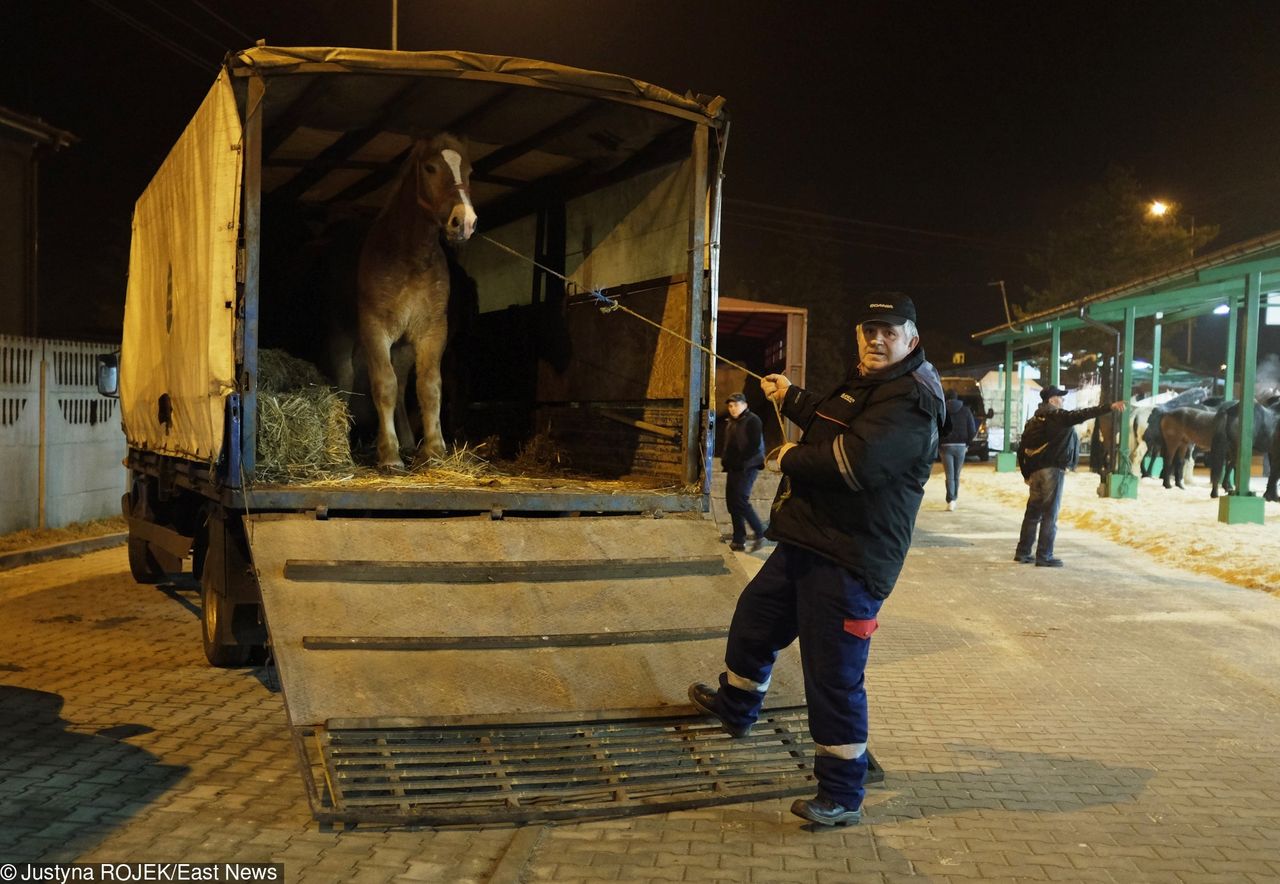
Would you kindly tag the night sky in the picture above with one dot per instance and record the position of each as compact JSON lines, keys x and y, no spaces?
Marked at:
{"x":977,"y":121}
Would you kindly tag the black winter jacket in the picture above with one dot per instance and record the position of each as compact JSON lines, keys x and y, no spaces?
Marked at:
{"x":743,"y":443}
{"x":963,"y":424}
{"x":852,"y":487}
{"x":1049,"y":438}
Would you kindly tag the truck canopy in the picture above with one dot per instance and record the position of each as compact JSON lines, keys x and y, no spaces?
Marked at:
{"x":602,"y":177}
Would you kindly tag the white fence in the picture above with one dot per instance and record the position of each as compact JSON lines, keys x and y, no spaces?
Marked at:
{"x":61,"y":445}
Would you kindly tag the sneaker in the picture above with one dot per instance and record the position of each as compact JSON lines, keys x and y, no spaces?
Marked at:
{"x":756,"y":543}
{"x":1023,"y":560}
{"x":1050,"y":562}
{"x":951,"y":506}
{"x":737,"y":547}
{"x":703,"y":697}
{"x":826,"y":812}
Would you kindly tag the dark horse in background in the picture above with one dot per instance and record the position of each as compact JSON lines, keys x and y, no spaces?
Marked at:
{"x":1224,"y":456}
{"x":1146,"y":423}
{"x":402,"y":298}
{"x":1183,"y":430}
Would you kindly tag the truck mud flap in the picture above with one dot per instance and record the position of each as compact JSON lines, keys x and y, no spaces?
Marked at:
{"x":465,"y":670}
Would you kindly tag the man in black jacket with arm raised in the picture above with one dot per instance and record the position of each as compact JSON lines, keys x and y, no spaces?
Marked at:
{"x":843,"y":519}
{"x":1049,"y":448}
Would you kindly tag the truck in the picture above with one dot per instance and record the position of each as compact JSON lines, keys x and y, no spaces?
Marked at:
{"x":467,"y":652}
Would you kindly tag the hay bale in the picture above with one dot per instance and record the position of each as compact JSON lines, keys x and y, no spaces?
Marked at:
{"x":303,"y":424}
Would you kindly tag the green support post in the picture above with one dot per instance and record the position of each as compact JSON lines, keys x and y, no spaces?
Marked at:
{"x":1157,"y":463}
{"x":1055,"y":354}
{"x":1122,"y":482}
{"x":1007,"y":460}
{"x":1155,"y":355}
{"x":1229,"y":378}
{"x":1241,"y":505}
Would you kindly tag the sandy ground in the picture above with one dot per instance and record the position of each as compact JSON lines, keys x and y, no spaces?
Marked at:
{"x":1179,"y":527}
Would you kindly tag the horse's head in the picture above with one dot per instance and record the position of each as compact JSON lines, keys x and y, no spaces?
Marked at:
{"x":440,"y":174}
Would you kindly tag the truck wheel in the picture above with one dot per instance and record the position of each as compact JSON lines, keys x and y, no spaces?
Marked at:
{"x":985,"y":455}
{"x":148,"y":565}
{"x":215,"y":617}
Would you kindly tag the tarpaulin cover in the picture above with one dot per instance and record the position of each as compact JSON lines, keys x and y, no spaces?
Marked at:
{"x":179,"y":313}
{"x":266,"y":59}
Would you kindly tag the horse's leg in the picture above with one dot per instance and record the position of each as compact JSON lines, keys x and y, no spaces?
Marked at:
{"x":382,"y":389}
{"x":402,"y":361}
{"x":428,"y":347}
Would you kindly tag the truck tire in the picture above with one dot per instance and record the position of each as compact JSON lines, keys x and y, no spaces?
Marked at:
{"x":147,"y":564}
{"x":216,"y":614}
{"x":143,"y":564}
{"x":230,"y":621}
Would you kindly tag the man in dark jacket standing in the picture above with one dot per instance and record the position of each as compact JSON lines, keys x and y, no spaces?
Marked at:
{"x":742,"y":459}
{"x":1049,"y":448}
{"x":843,"y":519}
{"x":955,"y":445}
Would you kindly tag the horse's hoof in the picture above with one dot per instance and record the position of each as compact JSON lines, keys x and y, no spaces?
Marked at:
{"x":392,"y":469}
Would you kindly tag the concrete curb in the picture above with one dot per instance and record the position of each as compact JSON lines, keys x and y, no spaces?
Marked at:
{"x":63,"y":550}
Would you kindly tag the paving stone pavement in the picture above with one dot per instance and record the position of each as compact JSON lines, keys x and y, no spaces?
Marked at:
{"x":1109,"y":721}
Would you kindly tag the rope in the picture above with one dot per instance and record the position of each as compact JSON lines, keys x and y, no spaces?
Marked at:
{"x":608,"y":305}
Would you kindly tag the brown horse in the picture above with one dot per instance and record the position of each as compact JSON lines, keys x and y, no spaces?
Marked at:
{"x":403,"y":289}
{"x":1182,"y":429}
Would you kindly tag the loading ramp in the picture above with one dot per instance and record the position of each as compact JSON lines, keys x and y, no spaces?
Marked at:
{"x":466,"y":670}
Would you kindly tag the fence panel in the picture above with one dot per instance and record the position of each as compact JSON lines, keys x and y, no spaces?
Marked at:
{"x":19,"y":433}
{"x":84,"y":445}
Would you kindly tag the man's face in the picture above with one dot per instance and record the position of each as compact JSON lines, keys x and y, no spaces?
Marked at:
{"x":1055,"y":401}
{"x":736,"y":408}
{"x":881,"y":345}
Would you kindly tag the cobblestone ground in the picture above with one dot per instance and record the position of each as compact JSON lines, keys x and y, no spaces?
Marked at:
{"x":1108,"y":721}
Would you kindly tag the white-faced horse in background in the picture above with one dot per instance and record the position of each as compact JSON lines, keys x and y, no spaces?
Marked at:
{"x":403,"y":293}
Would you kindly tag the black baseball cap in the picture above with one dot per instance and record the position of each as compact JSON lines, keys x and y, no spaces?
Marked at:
{"x":735,"y":397}
{"x":1049,"y":392}
{"x":892,"y":307}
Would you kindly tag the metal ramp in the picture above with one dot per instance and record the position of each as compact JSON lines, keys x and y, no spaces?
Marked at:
{"x":465,"y":670}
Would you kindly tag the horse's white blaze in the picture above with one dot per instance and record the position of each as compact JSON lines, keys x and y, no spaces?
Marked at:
{"x":454,"y":161}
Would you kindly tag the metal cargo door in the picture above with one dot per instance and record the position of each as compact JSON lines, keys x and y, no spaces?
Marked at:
{"x":470,"y":669}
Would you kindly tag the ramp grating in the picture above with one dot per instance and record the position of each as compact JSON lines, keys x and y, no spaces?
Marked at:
{"x":519,"y":773}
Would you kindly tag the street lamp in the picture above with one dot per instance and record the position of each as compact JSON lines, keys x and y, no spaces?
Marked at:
{"x":1158,"y":209}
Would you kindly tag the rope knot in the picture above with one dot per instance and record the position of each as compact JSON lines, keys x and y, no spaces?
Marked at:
{"x":607,"y":304}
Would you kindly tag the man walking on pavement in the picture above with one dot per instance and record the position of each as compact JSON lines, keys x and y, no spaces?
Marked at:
{"x":742,"y":459}
{"x":1049,"y":448}
{"x":955,"y":445}
{"x":842,"y":518}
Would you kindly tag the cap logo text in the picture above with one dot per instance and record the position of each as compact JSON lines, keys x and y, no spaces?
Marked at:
{"x":882,"y":306}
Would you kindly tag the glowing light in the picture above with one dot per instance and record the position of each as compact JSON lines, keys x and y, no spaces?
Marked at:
{"x":1158,"y":209}
{"x":1221,"y":310}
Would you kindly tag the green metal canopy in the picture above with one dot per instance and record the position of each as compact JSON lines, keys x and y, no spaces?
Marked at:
{"x":1236,"y":278}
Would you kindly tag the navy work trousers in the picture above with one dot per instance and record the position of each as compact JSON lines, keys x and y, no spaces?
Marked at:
{"x":737,"y":499}
{"x":1042,"y":513}
{"x":801,"y":594}
{"x":952,"y":462}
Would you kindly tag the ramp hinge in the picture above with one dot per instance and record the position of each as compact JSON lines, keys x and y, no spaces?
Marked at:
{"x":655,"y":513}
{"x":322,"y":513}
{"x":495,"y":514}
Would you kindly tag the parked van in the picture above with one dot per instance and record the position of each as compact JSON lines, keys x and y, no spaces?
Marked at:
{"x":970,"y":394}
